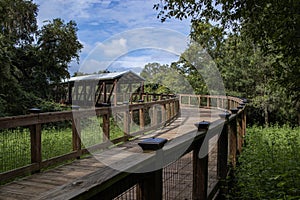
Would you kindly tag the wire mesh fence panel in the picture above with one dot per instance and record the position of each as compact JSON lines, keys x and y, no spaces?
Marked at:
{"x":184,"y":100}
{"x":117,"y":125}
{"x":91,"y":132}
{"x":212,"y":162}
{"x":194,"y":101}
{"x":129,"y":194}
{"x":178,"y":179}
{"x":14,"y":148}
{"x":56,"y":139}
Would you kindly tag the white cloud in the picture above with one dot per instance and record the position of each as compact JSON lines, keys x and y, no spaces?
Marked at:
{"x":100,"y":21}
{"x":113,"y":48}
{"x":137,"y":47}
{"x":91,"y":66}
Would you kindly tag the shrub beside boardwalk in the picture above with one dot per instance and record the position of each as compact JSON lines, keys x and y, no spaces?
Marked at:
{"x":269,"y":164}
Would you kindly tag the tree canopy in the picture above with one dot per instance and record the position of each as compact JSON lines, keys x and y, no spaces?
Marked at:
{"x":255,"y":45}
{"x":272,"y":25}
{"x":164,"y":79}
{"x":33,"y":60}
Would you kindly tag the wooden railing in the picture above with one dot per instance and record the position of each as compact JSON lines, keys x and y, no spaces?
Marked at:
{"x":148,"y":185}
{"x":162,"y":111}
{"x":230,"y":132}
{"x":210,"y":101}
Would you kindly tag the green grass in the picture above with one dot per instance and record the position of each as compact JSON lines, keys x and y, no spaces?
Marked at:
{"x":15,"y":147}
{"x":269,"y":165}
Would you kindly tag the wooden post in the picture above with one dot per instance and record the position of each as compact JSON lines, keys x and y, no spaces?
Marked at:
{"x":104,"y":93}
{"x":232,"y":142}
{"x":239,"y":133}
{"x":142,"y":118}
{"x":222,"y":153}
{"x":151,"y":186}
{"x":207,"y":102}
{"x":171,"y":106}
{"x":200,"y":172}
{"x":176,"y":107}
{"x":126,"y":124}
{"x":76,"y":131}
{"x":154,"y":116}
{"x":244,"y":122}
{"x":163,"y":113}
{"x":36,"y":144}
{"x":70,"y":86}
{"x":222,"y":157}
{"x":105,"y":127}
{"x":84,"y":85}
{"x":115,"y":93}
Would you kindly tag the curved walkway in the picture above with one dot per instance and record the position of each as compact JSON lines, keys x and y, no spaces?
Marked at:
{"x":80,"y":177}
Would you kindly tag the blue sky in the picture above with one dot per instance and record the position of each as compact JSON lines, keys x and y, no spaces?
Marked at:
{"x":118,"y":34}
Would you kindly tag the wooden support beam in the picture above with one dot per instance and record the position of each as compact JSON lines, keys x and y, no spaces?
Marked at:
{"x":207,"y":101}
{"x":98,"y":93}
{"x":115,"y":91}
{"x":104,"y":93}
{"x":200,"y":172}
{"x":222,"y":160}
{"x":239,"y":133}
{"x":222,"y":153}
{"x":36,"y":144}
{"x":127,"y":121}
{"x":154,"y":120}
{"x":151,"y":186}
{"x":76,"y":132}
{"x":106,"y":127}
{"x":142,"y":118}
{"x":232,"y":141}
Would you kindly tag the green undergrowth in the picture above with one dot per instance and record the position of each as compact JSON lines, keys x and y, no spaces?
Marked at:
{"x":269,"y":166}
{"x":56,"y":140}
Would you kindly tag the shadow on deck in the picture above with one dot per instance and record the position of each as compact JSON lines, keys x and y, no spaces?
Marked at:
{"x":122,"y":172}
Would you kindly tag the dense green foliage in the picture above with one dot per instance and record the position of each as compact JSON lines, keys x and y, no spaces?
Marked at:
{"x":269,"y":166}
{"x":255,"y":45}
{"x":32,"y":61}
{"x":164,"y":79}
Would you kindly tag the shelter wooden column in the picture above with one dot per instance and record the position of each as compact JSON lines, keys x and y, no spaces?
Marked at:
{"x":106,"y":126}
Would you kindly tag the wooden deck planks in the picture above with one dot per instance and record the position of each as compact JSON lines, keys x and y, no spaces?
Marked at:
{"x":82,"y":175}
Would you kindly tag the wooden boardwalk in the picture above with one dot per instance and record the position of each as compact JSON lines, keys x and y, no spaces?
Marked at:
{"x":82,"y":176}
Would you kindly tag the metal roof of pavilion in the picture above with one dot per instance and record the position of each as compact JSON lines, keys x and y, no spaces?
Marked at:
{"x":125,"y":76}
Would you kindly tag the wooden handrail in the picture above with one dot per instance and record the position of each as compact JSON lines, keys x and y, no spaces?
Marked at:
{"x":229,"y":144}
{"x":34,"y":122}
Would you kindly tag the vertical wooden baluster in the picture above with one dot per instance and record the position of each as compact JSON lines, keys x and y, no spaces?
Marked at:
{"x":154,"y":116}
{"x":142,"y":118}
{"x":239,"y":133}
{"x":200,"y":172}
{"x":233,"y":141}
{"x":150,"y":187}
{"x":36,"y":145}
{"x":208,"y":103}
{"x":163,"y":113}
{"x":222,"y":167}
{"x":106,"y":127}
{"x":126,"y":124}
{"x":76,"y":133}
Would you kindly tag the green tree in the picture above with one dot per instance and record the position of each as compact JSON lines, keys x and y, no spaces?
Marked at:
{"x":164,"y":79}
{"x":201,"y":71}
{"x":33,"y":60}
{"x":270,"y":26}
